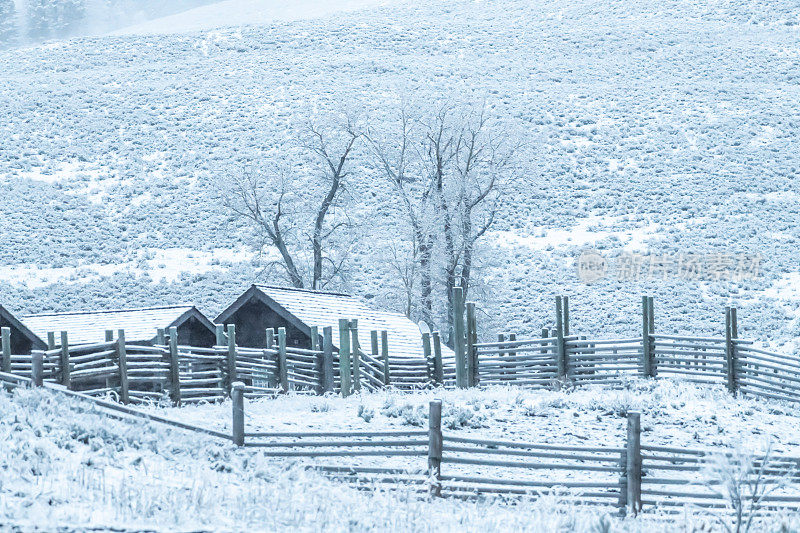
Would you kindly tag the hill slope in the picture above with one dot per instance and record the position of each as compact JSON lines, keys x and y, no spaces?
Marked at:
{"x":243,"y":13}
{"x":661,"y":126}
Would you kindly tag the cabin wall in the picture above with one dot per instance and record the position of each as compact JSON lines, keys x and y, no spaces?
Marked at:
{"x":20,"y":344}
{"x":252,"y":320}
{"x":195,"y":333}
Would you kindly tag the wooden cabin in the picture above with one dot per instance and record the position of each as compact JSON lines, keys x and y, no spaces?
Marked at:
{"x":297,"y":310}
{"x":23,"y":340}
{"x":140,"y":325}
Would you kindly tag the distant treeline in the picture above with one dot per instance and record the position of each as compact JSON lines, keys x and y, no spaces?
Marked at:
{"x":32,"y":21}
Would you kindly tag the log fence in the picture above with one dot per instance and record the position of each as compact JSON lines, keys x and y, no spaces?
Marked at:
{"x":631,"y":478}
{"x":183,"y":374}
{"x":136,"y":373}
{"x":557,"y":358}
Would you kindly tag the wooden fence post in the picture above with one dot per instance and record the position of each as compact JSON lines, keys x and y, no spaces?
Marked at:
{"x":283,"y":365}
{"x":327,"y":359}
{"x":545,"y":334}
{"x":501,"y":339}
{"x":651,"y":315}
{"x":512,"y":337}
{"x":458,"y":338}
{"x":374,"y":348}
{"x":51,"y":340}
{"x":561,"y":349}
{"x":730,"y":351}
{"x":5,"y":342}
{"x":438,"y":367}
{"x":634,"y":458}
{"x":472,"y":340}
{"x":174,"y":369}
{"x":344,"y":356}
{"x":220,"y":332}
{"x":385,"y":356}
{"x":237,"y":397}
{"x":565,"y":301}
{"x":647,"y":361}
{"x":270,"y":338}
{"x":273,"y":379}
{"x":355,"y":351}
{"x":37,"y":368}
{"x":427,"y":353}
{"x":734,"y":346}
{"x":109,"y":338}
{"x":122,"y":362}
{"x":65,"y":364}
{"x":435,"y":444}
{"x":622,"y":502}
{"x":161,"y":336}
{"x":231,"y":359}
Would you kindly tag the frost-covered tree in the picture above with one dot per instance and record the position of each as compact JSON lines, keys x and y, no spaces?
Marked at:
{"x":8,"y":23}
{"x":54,"y":18}
{"x":300,"y":220}
{"x":447,"y":168}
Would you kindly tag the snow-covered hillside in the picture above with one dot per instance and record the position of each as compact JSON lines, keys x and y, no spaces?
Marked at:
{"x":245,"y":13}
{"x":667,"y":126}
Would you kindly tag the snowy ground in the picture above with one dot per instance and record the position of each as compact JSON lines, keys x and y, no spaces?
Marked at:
{"x":245,"y":13}
{"x":674,"y":413}
{"x":64,"y":464}
{"x":649,"y":125}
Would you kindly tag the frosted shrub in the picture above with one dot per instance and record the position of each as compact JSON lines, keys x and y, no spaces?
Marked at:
{"x":365,"y":413}
{"x":744,"y":480}
{"x":321,"y":407}
{"x":455,"y":417}
{"x":623,"y":403}
{"x":409,"y":414}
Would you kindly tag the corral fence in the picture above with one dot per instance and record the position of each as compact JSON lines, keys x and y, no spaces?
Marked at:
{"x":559,"y":358}
{"x":134,"y":372}
{"x":628,"y":478}
{"x":185,"y":374}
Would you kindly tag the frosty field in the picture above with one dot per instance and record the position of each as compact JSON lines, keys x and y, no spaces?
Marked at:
{"x":66,"y":464}
{"x":656,"y":126}
{"x":665,"y":128}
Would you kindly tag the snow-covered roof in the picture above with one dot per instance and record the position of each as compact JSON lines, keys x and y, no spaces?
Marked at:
{"x":90,"y":326}
{"x":322,"y":309}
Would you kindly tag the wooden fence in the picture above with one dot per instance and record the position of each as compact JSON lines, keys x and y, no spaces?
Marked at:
{"x":630,"y":478}
{"x":558,"y":358}
{"x":188,"y":374}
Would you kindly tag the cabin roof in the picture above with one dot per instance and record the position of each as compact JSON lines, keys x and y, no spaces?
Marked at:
{"x":37,"y":342}
{"x":90,"y":326}
{"x":305,"y":308}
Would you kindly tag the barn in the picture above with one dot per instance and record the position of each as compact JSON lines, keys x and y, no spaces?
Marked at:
{"x":23,"y":340}
{"x":140,"y":325}
{"x":297,"y":310}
